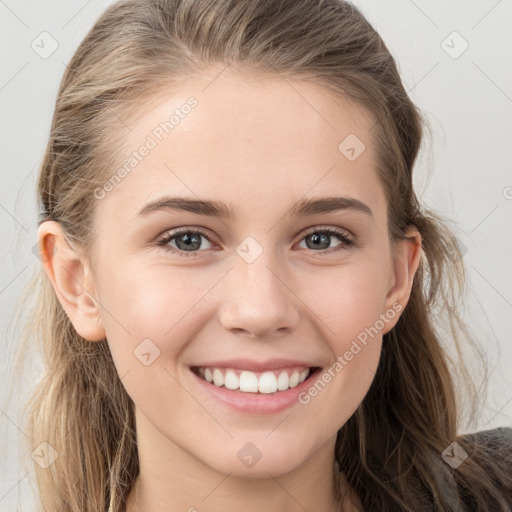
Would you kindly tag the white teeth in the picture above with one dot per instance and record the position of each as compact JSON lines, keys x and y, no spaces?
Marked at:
{"x":231,"y":380}
{"x":249,"y":382}
{"x":283,"y":381}
{"x":267,"y":383}
{"x":218,"y":378}
{"x":294,"y":379}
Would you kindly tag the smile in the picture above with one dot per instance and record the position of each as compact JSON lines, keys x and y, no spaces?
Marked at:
{"x":253,"y":382}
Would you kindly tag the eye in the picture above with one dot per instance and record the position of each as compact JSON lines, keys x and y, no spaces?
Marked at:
{"x":187,"y":241}
{"x":320,"y":238}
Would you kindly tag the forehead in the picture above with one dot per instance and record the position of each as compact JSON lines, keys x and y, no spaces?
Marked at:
{"x":231,"y":137}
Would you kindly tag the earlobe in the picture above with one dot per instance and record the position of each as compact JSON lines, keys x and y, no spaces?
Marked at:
{"x":407,"y":257}
{"x":71,"y":279}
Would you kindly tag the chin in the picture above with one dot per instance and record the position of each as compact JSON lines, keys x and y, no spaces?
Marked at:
{"x":248,"y":462}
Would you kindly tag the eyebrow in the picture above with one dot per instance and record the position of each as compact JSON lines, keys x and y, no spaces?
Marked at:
{"x":212,"y":208}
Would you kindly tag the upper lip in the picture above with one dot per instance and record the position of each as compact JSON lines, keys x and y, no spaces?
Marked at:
{"x":255,"y":366}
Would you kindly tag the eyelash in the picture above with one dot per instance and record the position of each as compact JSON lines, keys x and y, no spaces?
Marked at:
{"x":163,"y":242}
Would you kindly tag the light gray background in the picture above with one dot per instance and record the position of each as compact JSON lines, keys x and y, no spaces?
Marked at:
{"x":467,"y":99}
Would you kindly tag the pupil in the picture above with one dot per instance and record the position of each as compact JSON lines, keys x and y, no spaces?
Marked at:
{"x":190,"y":241}
{"x":323,"y":237}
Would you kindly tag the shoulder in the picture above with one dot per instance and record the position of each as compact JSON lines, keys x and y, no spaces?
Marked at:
{"x":495,"y":434}
{"x":491,"y":440}
{"x":491,"y":451}
{"x":491,"y":447}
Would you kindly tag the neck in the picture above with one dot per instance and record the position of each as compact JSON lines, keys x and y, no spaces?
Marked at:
{"x":269,"y":496}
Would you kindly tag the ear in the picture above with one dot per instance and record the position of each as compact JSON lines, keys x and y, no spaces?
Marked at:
{"x":407,"y":257}
{"x":71,"y":279}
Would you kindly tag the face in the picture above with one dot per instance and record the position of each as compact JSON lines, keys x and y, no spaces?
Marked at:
{"x":257,"y":291}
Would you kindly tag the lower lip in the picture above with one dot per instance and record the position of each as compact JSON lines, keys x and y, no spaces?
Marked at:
{"x":256,"y":403}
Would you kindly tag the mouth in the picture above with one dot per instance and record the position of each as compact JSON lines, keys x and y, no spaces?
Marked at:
{"x":245,"y":381}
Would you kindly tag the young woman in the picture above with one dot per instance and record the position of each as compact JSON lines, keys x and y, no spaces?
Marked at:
{"x":242,"y":297}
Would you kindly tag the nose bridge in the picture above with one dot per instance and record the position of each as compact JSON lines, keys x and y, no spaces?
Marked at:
{"x":256,"y":299}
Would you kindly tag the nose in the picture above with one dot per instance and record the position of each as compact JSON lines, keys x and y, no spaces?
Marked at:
{"x":257,"y":301}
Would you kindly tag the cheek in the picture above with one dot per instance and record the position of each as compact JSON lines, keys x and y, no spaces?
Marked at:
{"x":158,"y":305}
{"x":151,"y":302}
{"x":348,"y":299}
{"x":149,"y":319}
{"x":352,"y":314}
{"x":352,"y":324}
{"x":335,"y":395}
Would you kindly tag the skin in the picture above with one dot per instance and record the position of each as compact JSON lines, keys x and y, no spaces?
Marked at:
{"x":259,"y":146}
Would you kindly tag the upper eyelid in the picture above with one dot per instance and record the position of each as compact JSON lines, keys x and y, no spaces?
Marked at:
{"x":172,"y":233}
{"x":321,"y":227}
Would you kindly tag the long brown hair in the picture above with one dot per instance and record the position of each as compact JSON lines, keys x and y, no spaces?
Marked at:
{"x":390,"y":449}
